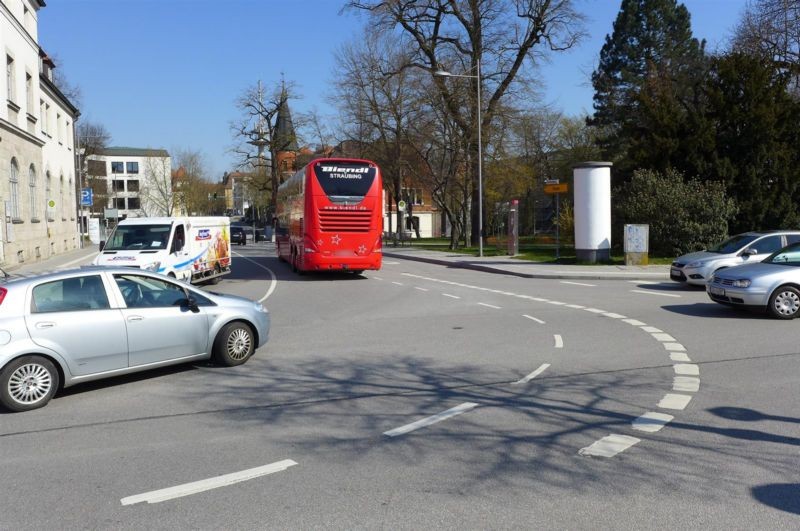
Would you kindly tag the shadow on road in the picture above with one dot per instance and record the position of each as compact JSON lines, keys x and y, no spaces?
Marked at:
{"x":783,"y":496}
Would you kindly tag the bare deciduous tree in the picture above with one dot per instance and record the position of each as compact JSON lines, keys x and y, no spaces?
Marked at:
{"x":156,"y":194}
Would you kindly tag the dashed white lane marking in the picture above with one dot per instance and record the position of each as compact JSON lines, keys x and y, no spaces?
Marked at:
{"x":559,"y":342}
{"x":687,"y":369}
{"x":378,"y":278}
{"x":194,"y":487}
{"x":609,"y":446}
{"x":594,"y":310}
{"x":557,"y":303}
{"x":532,"y":318}
{"x":390,"y":263}
{"x":489,"y":305}
{"x":651,"y":329}
{"x":543,"y":367}
{"x":687,"y":384}
{"x":613,"y":315}
{"x":651,"y":421}
{"x":674,"y":347}
{"x":663,"y":337}
{"x":644,"y":282}
{"x":674,"y":401}
{"x":397,"y":283}
{"x":444,"y":415}
{"x":421,"y":289}
{"x":575,"y":306}
{"x":654,"y":293}
{"x":633,"y":322}
{"x":679,"y":356}
{"x":579,"y":284}
{"x":451,"y":296}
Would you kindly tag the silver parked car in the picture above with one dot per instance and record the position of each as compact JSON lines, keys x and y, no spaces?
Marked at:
{"x":64,"y":328}
{"x":773,"y":284}
{"x":698,"y":268}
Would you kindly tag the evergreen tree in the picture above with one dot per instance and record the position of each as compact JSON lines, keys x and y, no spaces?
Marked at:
{"x":757,"y":141}
{"x":645,"y":86}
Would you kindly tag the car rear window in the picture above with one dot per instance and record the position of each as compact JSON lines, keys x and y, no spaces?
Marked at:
{"x":70,"y":295}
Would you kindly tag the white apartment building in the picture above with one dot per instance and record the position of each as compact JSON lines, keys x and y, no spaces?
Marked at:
{"x":130,"y":182}
{"x":38,"y":202}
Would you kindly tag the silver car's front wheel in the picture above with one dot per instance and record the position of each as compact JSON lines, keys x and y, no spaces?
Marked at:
{"x":234,"y":344}
{"x":28,"y":383}
{"x":785,"y":302}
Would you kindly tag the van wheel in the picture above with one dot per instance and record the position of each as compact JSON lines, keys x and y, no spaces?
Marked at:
{"x":784,"y":303}
{"x":28,"y":383}
{"x":234,"y":344}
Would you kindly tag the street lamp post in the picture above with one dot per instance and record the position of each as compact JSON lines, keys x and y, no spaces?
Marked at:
{"x":477,"y":76}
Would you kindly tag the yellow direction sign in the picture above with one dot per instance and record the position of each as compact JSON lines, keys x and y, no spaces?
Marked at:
{"x":556,"y":188}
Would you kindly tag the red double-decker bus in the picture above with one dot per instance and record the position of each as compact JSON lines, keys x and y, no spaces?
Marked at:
{"x":330,"y":216}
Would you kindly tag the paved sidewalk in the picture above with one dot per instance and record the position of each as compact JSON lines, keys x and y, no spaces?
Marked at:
{"x":526,"y":269}
{"x":75,"y":258}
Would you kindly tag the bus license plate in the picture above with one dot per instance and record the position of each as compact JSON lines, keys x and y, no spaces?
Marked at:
{"x":716,"y":291}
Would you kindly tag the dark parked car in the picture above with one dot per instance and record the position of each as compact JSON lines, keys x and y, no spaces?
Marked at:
{"x":238,"y":235}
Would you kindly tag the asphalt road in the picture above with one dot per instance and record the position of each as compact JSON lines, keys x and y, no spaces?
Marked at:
{"x":421,"y":396}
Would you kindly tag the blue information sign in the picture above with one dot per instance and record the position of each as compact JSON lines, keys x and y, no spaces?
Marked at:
{"x":86,"y":197}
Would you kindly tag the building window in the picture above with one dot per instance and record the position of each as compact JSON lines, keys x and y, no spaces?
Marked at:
{"x":29,"y":93}
{"x":48,"y":187}
{"x":61,"y":197}
{"x":68,"y":132}
{"x":14,"y":182}
{"x":118,"y":185}
{"x":133,"y":203}
{"x":133,"y":167}
{"x":133,"y":186}
{"x":43,"y":116}
{"x":412,"y":196}
{"x":119,"y":203}
{"x":117,"y":167}
{"x":32,"y":184}
{"x":58,"y":127}
{"x":10,"y":79}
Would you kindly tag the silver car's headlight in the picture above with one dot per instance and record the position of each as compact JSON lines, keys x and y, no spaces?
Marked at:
{"x":259,"y":307}
{"x":695,"y":264}
{"x":742,"y":283}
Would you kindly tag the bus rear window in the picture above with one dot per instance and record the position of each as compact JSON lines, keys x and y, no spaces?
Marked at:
{"x":344,"y":180}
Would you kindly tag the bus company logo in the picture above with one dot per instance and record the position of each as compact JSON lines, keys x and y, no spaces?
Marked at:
{"x":203,"y":234}
{"x":343,"y":172}
{"x":124,"y":259}
{"x":344,"y":207}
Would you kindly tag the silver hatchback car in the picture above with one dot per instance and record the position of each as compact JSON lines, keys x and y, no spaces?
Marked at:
{"x":749,"y":247}
{"x":773,"y":284}
{"x":64,"y":328}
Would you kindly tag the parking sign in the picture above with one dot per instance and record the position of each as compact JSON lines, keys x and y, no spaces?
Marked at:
{"x":87,"y":199}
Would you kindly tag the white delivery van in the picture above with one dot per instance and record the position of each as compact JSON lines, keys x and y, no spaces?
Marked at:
{"x":194,"y":249}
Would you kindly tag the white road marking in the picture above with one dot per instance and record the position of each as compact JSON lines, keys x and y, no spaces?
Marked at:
{"x":532,"y":375}
{"x":674,"y":347}
{"x":384,"y":262}
{"x":452,"y":412}
{"x":273,"y":283}
{"x":651,"y":329}
{"x":451,"y":296}
{"x":421,"y":289}
{"x":397,"y":283}
{"x":686,"y":369}
{"x":377,"y":278}
{"x":679,"y":356}
{"x":651,"y":421}
{"x":663,"y":337}
{"x":609,"y":446}
{"x":613,"y":315}
{"x":489,"y":305}
{"x":674,"y":401}
{"x":594,"y":310}
{"x":647,"y":282}
{"x":532,"y":318}
{"x":557,"y":303}
{"x":575,"y":306}
{"x":654,"y":293}
{"x":194,"y":487}
{"x":579,"y":284}
{"x":688,"y":384}
{"x":633,"y":322}
{"x":559,"y":343}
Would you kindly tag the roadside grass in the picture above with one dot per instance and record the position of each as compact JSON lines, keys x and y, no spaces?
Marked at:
{"x":540,"y":249}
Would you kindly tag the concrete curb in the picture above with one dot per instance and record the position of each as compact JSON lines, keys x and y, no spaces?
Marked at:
{"x":588,"y":274}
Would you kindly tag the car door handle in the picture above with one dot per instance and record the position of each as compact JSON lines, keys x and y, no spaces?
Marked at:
{"x":135,"y":318}
{"x":45,"y":324}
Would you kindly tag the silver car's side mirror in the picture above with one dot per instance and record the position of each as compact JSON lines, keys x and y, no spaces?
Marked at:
{"x":750,"y":251}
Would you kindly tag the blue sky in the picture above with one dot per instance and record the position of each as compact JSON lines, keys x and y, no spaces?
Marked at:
{"x":166,"y":73}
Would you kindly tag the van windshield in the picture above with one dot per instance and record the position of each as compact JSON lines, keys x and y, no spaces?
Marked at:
{"x":138,"y":238}
{"x":733,"y":244}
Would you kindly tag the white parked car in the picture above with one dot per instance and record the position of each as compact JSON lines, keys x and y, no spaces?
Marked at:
{"x":698,"y":268}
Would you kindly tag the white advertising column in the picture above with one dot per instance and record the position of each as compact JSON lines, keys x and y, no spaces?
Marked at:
{"x":592,"y":189}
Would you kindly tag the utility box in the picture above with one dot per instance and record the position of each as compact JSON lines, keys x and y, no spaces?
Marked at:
{"x":592,"y":182}
{"x":637,"y":243}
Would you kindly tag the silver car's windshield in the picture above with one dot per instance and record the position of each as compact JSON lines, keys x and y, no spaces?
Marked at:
{"x":138,"y":237}
{"x":787,"y":256}
{"x":733,"y":244}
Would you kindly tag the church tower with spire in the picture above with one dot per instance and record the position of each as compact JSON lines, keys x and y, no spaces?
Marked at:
{"x":285,"y":141}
